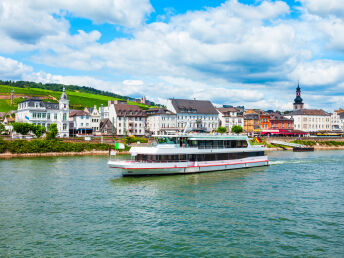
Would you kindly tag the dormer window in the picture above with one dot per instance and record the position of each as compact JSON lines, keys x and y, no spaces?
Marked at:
{"x":36,"y":104}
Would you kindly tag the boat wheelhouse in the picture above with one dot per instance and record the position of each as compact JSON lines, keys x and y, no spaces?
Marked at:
{"x":192,"y":153}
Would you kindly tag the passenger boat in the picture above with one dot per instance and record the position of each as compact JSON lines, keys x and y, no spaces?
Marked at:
{"x":192,"y":153}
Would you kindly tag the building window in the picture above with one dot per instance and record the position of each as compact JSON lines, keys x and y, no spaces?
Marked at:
{"x":81,"y":124}
{"x":55,"y":116}
{"x":38,"y":115}
{"x":64,"y":126}
{"x":64,"y":116}
{"x":48,"y":115}
{"x":34,"y":115}
{"x":86,"y":124}
{"x":44,"y":115}
{"x":65,"y":106}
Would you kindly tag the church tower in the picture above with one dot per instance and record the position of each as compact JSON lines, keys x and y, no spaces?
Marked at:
{"x":63,"y":125}
{"x":298,"y":104}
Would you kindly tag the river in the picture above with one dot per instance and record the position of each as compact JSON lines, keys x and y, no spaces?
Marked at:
{"x":76,"y":206}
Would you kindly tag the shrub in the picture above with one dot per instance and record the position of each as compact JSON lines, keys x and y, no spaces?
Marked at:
{"x":42,"y":146}
{"x":236,"y":129}
{"x":221,"y":129}
{"x":52,"y":131}
{"x":3,"y":146}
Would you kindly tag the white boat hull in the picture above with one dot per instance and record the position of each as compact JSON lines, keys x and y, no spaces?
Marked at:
{"x":132,"y":168}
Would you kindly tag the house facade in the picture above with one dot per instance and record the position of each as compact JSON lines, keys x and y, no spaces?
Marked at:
{"x":127,"y":119}
{"x":311,"y":120}
{"x":35,"y":111}
{"x":80,"y":122}
{"x":194,"y":114}
{"x":161,"y":121}
{"x":230,"y":116}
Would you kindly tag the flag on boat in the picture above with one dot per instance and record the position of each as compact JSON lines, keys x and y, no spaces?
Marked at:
{"x":258,"y":140}
{"x":119,"y":146}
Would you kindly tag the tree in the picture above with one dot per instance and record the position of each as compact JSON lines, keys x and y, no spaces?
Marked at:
{"x":38,"y":130}
{"x":52,"y":132}
{"x":22,"y":128}
{"x":221,"y":129}
{"x":237,"y":129}
{"x":2,"y":128}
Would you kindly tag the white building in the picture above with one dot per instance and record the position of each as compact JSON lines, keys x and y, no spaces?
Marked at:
{"x":35,"y":111}
{"x":127,"y":119}
{"x":95,"y":119}
{"x":195,"y":114}
{"x":80,"y":122}
{"x":336,"y":120}
{"x":311,"y":120}
{"x":230,"y":116}
{"x":161,"y":121}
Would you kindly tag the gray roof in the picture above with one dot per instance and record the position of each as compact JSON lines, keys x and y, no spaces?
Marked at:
{"x":309,"y":112}
{"x":193,"y":106}
{"x":158,"y":111}
{"x":78,"y":113}
{"x":47,"y":105}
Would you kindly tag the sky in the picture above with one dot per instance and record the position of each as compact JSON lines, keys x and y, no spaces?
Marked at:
{"x":235,"y":52}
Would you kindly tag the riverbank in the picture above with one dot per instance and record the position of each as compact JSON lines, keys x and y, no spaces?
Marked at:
{"x":8,"y":155}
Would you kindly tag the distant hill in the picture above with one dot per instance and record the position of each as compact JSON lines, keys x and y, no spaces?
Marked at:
{"x":79,"y":96}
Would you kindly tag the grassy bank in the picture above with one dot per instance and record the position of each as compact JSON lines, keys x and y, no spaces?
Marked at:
{"x":321,"y":143}
{"x":45,"y":146}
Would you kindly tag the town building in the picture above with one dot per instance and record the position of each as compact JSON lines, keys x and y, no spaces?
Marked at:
{"x":95,"y":118}
{"x":35,"y":111}
{"x":251,"y":123}
{"x":264,"y":121}
{"x":298,"y":102}
{"x":336,"y":120}
{"x":230,"y":116}
{"x":127,"y":119}
{"x":309,"y":120}
{"x":279,"y":122}
{"x":194,"y":114}
{"x":80,"y":123}
{"x":161,"y":121}
{"x":106,"y":126}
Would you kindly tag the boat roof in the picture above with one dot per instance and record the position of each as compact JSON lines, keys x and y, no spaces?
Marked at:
{"x":205,"y":136}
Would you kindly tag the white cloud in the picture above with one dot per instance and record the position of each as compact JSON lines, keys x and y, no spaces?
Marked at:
{"x":324,"y":7}
{"x":12,"y":69}
{"x":129,"y":13}
{"x":319,"y":72}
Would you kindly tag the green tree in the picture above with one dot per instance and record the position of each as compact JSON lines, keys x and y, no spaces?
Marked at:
{"x":52,"y":132}
{"x":221,"y":129}
{"x":237,"y":129}
{"x":2,"y":128}
{"x":38,"y":130}
{"x":22,"y":128}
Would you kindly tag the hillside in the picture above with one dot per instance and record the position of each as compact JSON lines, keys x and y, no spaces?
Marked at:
{"x":79,"y":97}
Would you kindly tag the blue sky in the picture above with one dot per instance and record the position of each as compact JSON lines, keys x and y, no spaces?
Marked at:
{"x":238,"y":52}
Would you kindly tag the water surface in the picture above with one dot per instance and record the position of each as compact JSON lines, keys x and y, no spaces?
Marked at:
{"x":76,"y":206}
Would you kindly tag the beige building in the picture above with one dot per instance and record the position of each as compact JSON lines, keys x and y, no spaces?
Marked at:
{"x":311,"y":120}
{"x":229,"y":117}
{"x":161,"y":121}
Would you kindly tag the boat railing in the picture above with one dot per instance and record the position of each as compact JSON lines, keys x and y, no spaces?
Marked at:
{"x":161,"y":161}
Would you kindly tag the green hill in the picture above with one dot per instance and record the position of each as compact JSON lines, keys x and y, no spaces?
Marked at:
{"x":79,"y":97}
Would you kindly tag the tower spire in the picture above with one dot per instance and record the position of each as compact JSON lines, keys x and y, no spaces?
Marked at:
{"x":298,"y":104}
